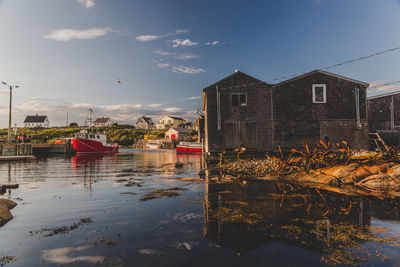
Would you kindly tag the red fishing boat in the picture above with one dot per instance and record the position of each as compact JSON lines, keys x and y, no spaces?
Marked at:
{"x":87,"y":142}
{"x":189,"y":148}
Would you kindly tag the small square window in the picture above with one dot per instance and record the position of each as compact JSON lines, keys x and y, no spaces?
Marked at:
{"x":239,"y":99}
{"x":319,"y":93}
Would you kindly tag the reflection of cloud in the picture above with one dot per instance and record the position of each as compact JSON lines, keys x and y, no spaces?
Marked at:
{"x":61,"y":255}
{"x":186,"y":245}
{"x":182,"y":218}
{"x":148,"y":251}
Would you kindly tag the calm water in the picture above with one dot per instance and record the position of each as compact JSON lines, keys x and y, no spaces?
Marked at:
{"x":133,"y":209}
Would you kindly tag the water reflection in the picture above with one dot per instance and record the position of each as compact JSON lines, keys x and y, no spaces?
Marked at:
{"x":244,"y":217}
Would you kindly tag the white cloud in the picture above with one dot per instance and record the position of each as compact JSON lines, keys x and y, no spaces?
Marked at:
{"x":181,"y":42}
{"x":69,"y":34}
{"x":152,"y":37}
{"x":186,"y":56}
{"x":173,"y":110}
{"x":379,"y":87}
{"x":212,"y":43}
{"x":87,"y":3}
{"x":163,"y":53}
{"x":192,"y":98}
{"x":178,"y":69}
{"x":156,"y":105}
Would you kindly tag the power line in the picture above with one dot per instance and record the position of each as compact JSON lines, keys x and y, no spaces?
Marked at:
{"x":328,"y":67}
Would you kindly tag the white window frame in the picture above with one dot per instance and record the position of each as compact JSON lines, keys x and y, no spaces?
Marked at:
{"x":240,"y":105}
{"x":324,"y":93}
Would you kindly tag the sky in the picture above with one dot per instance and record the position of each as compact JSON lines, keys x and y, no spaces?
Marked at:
{"x":67,"y":55}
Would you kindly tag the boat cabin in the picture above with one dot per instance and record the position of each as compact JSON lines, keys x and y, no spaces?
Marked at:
{"x":100,"y":137}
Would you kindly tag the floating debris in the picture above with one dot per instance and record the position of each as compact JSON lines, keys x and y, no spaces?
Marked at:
{"x":106,"y":240}
{"x":159,"y":193}
{"x":7,"y":259}
{"x":63,"y":229}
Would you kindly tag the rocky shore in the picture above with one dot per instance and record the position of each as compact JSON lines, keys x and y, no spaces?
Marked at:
{"x":5,"y":206}
{"x":377,"y":176}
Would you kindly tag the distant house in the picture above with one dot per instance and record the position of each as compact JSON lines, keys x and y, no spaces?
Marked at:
{"x":102,"y":122}
{"x":177,"y":134}
{"x":145,"y":123}
{"x":187,"y":125}
{"x":319,"y":105}
{"x":169,"y":122}
{"x":36,"y":121}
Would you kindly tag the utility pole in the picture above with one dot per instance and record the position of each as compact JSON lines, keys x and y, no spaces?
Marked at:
{"x":9,"y":109}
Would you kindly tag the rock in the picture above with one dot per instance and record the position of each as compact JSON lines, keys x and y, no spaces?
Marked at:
{"x":5,"y":207}
{"x":381,"y":182}
{"x":178,"y":165}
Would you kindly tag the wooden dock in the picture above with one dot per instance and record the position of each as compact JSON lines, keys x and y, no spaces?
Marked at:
{"x":17,"y":158}
{"x":27,"y":149}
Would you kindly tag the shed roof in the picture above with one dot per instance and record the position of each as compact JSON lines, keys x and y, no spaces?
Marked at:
{"x":35,"y":118}
{"x":176,"y":118}
{"x":323,"y":72}
{"x":384,"y":95}
{"x":236,"y":73}
{"x":101,"y":120}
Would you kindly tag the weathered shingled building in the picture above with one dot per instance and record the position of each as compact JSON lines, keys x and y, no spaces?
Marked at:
{"x":383,"y":112}
{"x":318,"y":105}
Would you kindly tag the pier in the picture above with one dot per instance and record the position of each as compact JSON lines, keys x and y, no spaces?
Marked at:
{"x":27,"y":151}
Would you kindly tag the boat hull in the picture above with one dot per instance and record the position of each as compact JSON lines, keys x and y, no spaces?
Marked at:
{"x":189,"y":148}
{"x":92,"y":146}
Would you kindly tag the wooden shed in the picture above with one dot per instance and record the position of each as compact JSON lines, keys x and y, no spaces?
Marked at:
{"x":318,"y":105}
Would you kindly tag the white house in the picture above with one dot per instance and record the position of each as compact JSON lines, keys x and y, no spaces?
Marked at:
{"x":102,"y":122}
{"x":36,"y":121}
{"x":169,"y":122}
{"x":177,"y":133}
{"x":144,"y":123}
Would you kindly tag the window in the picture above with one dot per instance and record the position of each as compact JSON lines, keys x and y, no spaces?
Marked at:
{"x":319,"y":93}
{"x":239,"y":99}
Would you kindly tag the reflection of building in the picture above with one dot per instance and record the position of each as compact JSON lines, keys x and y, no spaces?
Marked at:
{"x":244,"y":217}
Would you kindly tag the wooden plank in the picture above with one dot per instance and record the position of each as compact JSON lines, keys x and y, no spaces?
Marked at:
{"x":16,"y":158}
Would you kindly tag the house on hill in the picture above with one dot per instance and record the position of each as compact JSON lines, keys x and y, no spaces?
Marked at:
{"x":169,"y":122}
{"x":145,"y":123}
{"x":177,"y":134}
{"x":319,"y":105}
{"x":102,"y":122}
{"x":36,"y":121}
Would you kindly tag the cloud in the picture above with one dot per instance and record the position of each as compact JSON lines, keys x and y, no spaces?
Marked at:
{"x":186,"y":56}
{"x":192,"y":98}
{"x":184,"y":43}
{"x":156,"y":105}
{"x":57,"y":109}
{"x":152,"y":37}
{"x":178,"y":69}
{"x":379,"y":87}
{"x":87,"y":3}
{"x":175,"y":55}
{"x":163,"y":53}
{"x":70,"y":34}
{"x":212,"y":43}
{"x":172,"y":110}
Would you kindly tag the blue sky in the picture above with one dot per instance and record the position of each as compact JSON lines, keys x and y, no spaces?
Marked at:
{"x":67,"y":54}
